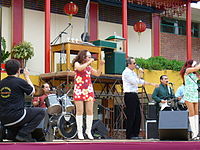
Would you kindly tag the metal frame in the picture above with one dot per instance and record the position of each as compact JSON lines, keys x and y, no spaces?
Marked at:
{"x":109,"y":90}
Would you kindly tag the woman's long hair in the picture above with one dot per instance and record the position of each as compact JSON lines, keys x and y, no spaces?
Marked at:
{"x":187,"y":64}
{"x":80,"y":57}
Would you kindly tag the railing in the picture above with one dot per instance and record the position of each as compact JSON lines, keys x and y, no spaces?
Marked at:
{"x":179,"y":30}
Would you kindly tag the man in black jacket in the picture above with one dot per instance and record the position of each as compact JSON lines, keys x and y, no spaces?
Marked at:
{"x":13,"y":115}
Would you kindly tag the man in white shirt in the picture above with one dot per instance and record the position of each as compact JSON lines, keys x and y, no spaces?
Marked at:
{"x":180,"y":93}
{"x":130,"y":86}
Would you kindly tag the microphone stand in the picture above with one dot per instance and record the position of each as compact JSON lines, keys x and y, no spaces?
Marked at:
{"x":85,"y":34}
{"x":174,"y":104}
{"x":62,"y":48}
{"x":60,"y":35}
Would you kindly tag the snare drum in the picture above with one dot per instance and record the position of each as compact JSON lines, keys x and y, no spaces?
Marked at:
{"x":53,"y":104}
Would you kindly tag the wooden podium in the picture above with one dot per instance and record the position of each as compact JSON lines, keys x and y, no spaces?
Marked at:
{"x":72,"y":48}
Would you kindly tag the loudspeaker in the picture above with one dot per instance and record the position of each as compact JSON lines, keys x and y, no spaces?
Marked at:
{"x":151,"y":129}
{"x":115,"y":62}
{"x":151,"y":113}
{"x":99,"y":130}
{"x":173,"y":125}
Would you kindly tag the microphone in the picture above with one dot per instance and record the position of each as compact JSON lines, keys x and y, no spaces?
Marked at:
{"x":53,"y":89}
{"x":139,"y":68}
{"x":171,"y":83}
{"x":64,"y":33}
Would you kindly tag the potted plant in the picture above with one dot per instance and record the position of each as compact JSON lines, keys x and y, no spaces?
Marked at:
{"x":22,"y":52}
{"x":4,"y":53}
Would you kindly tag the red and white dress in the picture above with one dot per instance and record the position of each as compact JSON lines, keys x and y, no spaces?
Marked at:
{"x":83,"y":89}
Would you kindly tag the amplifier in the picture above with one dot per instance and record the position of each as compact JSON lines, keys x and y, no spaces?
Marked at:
{"x":151,"y":129}
{"x":152,"y":111}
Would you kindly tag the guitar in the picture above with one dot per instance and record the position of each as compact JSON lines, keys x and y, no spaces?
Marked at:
{"x":167,"y":104}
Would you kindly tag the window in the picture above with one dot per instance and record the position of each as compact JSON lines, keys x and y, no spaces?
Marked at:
{"x":178,"y":27}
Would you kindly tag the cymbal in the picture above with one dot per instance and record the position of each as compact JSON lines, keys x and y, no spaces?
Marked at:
{"x":38,"y":91}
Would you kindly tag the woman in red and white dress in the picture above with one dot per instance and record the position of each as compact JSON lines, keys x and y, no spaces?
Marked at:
{"x":83,"y":90}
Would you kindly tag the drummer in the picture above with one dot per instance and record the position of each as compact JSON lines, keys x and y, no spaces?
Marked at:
{"x":39,"y":101}
{"x":180,"y":97}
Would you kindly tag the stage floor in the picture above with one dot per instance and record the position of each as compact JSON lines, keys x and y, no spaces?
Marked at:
{"x":111,"y":144}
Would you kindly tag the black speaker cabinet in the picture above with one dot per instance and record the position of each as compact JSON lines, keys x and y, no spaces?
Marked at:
{"x":99,"y":128}
{"x":151,"y":129}
{"x":173,"y":125}
{"x":151,"y":113}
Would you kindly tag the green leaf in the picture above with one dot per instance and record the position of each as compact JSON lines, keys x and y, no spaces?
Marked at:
{"x":159,"y":63}
{"x":23,"y":50}
{"x":4,"y":54}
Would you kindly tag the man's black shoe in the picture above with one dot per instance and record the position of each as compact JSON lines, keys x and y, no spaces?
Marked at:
{"x":25,"y":139}
{"x":136,"y":138}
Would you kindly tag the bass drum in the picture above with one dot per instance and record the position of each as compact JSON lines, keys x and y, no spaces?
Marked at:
{"x":67,"y":125}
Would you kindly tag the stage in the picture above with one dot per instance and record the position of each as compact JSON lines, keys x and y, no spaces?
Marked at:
{"x":114,"y":144}
{"x":108,"y":93}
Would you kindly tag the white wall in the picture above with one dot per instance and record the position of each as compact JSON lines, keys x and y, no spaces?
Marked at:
{"x":7,"y":26}
{"x":34,"y":33}
{"x":139,"y":46}
{"x":136,"y":47}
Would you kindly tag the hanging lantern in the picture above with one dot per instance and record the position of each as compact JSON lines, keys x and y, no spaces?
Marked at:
{"x":139,"y":27}
{"x":71,"y":9}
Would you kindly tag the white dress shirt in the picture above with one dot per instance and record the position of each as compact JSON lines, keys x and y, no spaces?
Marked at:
{"x":130,"y":81}
{"x":180,"y":93}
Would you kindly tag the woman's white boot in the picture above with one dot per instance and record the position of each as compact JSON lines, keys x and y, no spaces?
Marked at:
{"x":89,"y":121}
{"x":192,"y":126}
{"x":79,"y":124}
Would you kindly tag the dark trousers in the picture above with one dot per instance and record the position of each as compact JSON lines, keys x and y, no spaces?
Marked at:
{"x":28,"y":124}
{"x":44,"y":123}
{"x":133,"y":115}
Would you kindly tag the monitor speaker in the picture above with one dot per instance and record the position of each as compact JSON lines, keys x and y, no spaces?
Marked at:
{"x":173,"y":125}
{"x":99,"y":130}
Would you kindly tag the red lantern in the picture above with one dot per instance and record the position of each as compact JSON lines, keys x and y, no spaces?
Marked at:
{"x":140,"y":27}
{"x":71,"y":8}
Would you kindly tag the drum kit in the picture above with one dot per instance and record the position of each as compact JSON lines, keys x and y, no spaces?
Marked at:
{"x":62,"y":122}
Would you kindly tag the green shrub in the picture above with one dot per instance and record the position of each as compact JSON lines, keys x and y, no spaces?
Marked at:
{"x":23,"y":50}
{"x":159,"y":63}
